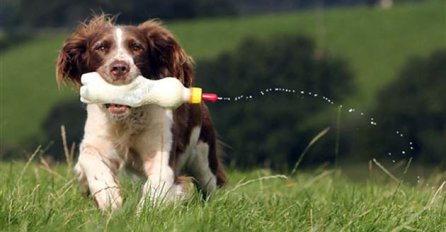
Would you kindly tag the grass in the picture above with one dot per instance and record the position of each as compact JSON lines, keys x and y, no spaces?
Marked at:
{"x":375,"y":42}
{"x":38,"y":197}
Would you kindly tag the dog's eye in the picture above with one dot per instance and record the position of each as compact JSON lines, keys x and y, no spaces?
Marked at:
{"x":101,"y":47}
{"x":136,"y":47}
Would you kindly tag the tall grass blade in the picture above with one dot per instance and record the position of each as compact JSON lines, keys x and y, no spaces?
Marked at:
{"x":254,"y":181}
{"x":338,"y":134}
{"x":68,"y":156}
{"x":310,"y":144}
{"x":386,"y":171}
{"x":407,"y":166}
{"x":31,"y":158}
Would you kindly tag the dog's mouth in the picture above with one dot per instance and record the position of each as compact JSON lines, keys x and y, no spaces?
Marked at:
{"x":117,"y":109}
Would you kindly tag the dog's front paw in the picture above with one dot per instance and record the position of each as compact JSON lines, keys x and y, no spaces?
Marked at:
{"x":183,"y":189}
{"x":108,"y":199}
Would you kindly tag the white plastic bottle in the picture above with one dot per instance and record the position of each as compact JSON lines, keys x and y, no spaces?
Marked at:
{"x":168,"y":92}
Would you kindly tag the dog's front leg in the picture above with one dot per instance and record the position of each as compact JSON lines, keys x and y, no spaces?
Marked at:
{"x":100,"y":174}
{"x":159,"y":186}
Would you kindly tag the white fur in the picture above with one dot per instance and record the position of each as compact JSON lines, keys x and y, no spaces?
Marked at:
{"x":94,"y":168}
{"x":121,"y":52}
{"x":106,"y":148}
{"x":156,"y":163}
{"x":119,"y":38}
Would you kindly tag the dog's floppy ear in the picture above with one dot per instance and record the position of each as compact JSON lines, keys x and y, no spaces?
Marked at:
{"x":167,"y":57}
{"x":72,"y":59}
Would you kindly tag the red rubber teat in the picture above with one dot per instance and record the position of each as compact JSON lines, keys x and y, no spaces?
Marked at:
{"x":211,"y":97}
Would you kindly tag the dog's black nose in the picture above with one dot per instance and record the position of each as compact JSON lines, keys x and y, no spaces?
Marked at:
{"x":119,"y":69}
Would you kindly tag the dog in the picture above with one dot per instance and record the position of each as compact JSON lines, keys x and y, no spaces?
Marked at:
{"x":160,"y":145}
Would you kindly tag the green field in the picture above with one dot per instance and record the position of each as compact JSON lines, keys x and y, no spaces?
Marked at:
{"x":375,"y":42}
{"x":44,"y":198}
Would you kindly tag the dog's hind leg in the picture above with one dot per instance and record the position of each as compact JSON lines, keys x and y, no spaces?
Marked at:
{"x":198,"y":167}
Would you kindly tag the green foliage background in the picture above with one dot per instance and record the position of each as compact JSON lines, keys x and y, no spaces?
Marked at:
{"x":273,"y":129}
{"x":416,"y":101}
{"x":376,"y":44}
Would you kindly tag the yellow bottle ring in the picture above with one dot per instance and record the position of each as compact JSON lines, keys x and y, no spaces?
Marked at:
{"x":195,"y":95}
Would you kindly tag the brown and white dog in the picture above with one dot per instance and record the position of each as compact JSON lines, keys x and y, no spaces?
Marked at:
{"x":159,"y":144}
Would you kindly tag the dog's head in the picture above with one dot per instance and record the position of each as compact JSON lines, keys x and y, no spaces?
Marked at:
{"x":119,"y":53}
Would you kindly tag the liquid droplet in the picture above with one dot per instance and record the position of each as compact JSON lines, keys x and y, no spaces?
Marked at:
{"x":302,"y":95}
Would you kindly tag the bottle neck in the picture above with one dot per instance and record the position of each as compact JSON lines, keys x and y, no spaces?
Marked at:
{"x":194,"y":95}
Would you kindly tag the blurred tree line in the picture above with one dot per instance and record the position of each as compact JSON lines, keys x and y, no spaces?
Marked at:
{"x":20,"y":18}
{"x":62,"y":13}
